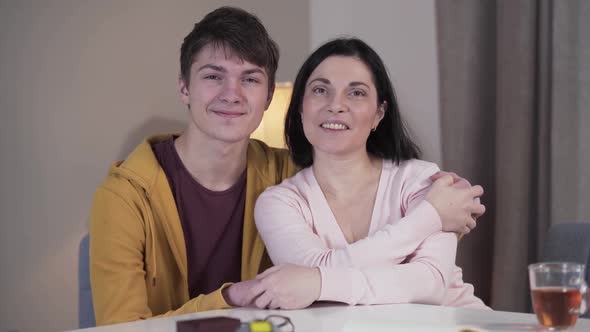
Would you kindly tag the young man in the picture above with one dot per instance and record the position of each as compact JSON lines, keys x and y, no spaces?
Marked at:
{"x":174,"y":222}
{"x":172,"y":227}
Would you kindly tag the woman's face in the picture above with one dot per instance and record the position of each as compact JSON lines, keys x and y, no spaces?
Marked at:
{"x":340,"y":107}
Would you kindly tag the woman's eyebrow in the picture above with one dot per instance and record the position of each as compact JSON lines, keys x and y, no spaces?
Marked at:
{"x":353,"y":84}
{"x":320,"y":79}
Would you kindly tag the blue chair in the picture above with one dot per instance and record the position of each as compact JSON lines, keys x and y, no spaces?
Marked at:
{"x":569,"y":243}
{"x":85,"y":307}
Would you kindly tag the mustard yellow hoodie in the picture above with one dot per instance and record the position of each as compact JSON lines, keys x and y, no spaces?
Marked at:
{"x":138,"y":264}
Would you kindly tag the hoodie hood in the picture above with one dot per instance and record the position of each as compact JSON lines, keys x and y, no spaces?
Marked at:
{"x":141,"y":166}
{"x":143,"y":171}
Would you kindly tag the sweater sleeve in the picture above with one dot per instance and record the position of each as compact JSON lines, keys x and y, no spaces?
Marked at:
{"x":357,"y":274}
{"x":424,"y":278}
{"x":289,"y":238}
{"x":118,"y":278}
{"x":364,"y":272}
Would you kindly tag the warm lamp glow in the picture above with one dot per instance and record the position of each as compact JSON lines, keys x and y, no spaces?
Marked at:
{"x":272,"y":126}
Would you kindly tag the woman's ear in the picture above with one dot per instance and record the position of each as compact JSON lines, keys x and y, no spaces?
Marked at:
{"x":380,"y":113}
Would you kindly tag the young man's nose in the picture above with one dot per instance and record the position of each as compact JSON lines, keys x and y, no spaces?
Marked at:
{"x":232,"y":92}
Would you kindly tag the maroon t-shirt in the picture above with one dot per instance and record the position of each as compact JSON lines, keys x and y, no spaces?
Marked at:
{"x":212,"y":223}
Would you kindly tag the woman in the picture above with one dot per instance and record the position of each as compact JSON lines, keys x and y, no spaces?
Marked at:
{"x":363,"y":209}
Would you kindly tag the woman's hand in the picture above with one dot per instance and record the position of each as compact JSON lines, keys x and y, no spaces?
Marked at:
{"x":288,"y":287}
{"x":456,"y":203}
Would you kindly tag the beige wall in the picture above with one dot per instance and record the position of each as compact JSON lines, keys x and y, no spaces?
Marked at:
{"x":81,"y":82}
{"x":403,"y":32}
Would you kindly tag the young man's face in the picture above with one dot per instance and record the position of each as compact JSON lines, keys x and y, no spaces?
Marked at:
{"x":227,"y":96}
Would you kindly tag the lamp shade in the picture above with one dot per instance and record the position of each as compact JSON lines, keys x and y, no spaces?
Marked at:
{"x":272,"y":126}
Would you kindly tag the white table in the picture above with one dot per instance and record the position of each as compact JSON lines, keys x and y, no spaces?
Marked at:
{"x":335,"y":317}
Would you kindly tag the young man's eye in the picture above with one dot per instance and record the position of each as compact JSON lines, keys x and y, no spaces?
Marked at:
{"x":212,"y":77}
{"x":251,"y":80}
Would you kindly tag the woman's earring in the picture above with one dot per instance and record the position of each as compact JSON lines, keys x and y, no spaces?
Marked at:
{"x":374,"y":129}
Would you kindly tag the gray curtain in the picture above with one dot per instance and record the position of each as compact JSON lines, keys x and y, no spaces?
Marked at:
{"x":515,"y":103}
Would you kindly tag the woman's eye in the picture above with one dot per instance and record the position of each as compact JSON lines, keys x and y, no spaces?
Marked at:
{"x":358,"y":93}
{"x":319,"y":90}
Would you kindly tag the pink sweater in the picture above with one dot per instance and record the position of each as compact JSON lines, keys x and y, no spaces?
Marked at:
{"x":405,"y":257}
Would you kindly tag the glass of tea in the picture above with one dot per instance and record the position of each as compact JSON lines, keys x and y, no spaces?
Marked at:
{"x":558,"y":292}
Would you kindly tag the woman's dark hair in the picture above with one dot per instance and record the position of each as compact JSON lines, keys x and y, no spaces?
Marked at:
{"x":236,"y":30}
{"x":389,"y":141}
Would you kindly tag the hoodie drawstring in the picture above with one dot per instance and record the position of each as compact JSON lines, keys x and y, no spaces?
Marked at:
{"x":153,"y":238}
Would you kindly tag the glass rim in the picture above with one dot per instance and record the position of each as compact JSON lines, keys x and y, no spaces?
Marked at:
{"x":565,"y":266}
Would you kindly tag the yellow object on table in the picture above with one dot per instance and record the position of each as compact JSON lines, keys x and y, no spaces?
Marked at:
{"x":260,"y":326}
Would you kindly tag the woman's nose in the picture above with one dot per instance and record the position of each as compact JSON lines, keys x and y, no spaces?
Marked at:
{"x":338,"y":104}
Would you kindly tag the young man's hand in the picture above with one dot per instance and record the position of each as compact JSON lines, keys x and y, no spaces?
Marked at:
{"x":455,"y":204}
{"x":243,"y":293}
{"x":459,"y":182}
{"x":279,"y":287}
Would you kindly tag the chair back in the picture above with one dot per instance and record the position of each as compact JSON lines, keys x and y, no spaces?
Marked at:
{"x":569,"y":242}
{"x":85,"y":307}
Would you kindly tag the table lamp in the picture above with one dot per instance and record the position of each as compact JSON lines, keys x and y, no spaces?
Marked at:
{"x":272,"y":126}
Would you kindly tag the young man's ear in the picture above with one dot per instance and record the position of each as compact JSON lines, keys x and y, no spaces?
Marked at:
{"x":271,"y":92}
{"x":183,"y":91}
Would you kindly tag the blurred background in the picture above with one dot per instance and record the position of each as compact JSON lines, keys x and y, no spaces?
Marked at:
{"x":497,"y":91}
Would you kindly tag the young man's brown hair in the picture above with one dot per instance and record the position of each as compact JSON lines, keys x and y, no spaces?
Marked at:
{"x":238,"y":32}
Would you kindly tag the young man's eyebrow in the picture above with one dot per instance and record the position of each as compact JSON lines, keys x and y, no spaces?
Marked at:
{"x":319,"y":79}
{"x":254,"y":71}
{"x":214,"y":67}
{"x":223,"y":70}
